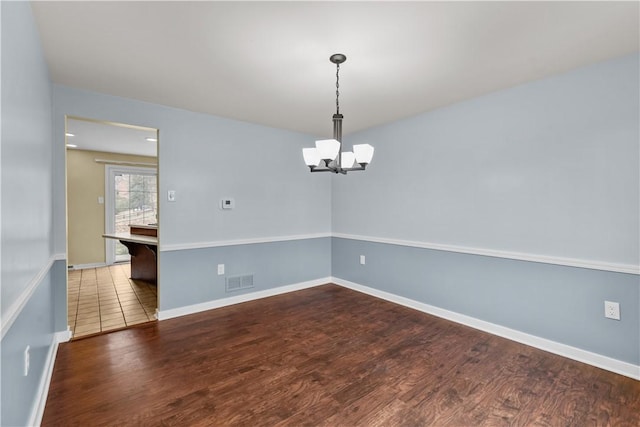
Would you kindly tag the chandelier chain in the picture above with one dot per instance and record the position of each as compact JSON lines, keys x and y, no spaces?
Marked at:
{"x":337,"y":88}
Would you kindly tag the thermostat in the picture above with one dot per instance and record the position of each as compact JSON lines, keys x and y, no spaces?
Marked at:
{"x":227,"y":204}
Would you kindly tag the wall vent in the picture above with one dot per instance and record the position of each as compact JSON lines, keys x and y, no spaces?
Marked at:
{"x":236,"y":283}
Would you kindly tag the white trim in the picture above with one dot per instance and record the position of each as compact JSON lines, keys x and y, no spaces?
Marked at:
{"x":209,"y":305}
{"x":85,"y":266}
{"x":546,"y":259}
{"x":37,"y":410}
{"x":584,"y":356}
{"x":215,"y":244}
{"x":12,"y":313}
{"x":64,"y":336}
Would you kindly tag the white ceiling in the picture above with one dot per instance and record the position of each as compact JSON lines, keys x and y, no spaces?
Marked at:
{"x":267,"y":62}
{"x":110,"y":138}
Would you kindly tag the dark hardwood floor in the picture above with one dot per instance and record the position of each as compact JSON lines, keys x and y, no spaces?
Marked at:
{"x":326,"y":356}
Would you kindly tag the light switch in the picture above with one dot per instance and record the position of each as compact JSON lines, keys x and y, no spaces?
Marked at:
{"x":171,"y":195}
{"x":100,"y":200}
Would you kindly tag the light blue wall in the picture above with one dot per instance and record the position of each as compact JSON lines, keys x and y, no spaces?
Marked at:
{"x":272,"y":265}
{"x":205,"y":158}
{"x":562,"y":304}
{"x":26,"y":153}
{"x":27,"y":235}
{"x":548,"y":167}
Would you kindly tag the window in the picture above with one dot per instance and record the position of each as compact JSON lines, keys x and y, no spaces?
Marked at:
{"x":133,"y":200}
{"x":136,"y":203}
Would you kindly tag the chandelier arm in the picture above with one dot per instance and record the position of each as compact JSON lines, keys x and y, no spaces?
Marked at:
{"x":362,"y":167}
{"x":316,"y":169}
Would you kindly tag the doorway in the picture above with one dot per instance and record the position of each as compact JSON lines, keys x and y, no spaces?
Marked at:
{"x":112,"y":183}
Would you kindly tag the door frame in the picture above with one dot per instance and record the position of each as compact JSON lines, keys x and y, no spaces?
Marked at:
{"x":65,"y":139}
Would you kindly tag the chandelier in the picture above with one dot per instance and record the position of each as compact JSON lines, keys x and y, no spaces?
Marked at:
{"x":327,"y":156}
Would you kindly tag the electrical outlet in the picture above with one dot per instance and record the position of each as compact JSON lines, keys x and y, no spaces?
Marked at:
{"x":26,"y":360}
{"x":220,"y":269}
{"x":362,"y":260}
{"x":612,"y":310}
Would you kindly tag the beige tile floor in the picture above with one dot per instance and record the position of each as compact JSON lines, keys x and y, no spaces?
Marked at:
{"x":103,"y":299}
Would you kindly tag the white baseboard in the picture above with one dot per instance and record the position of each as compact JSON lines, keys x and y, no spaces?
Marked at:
{"x":197,"y":308}
{"x":64,"y":336}
{"x":85,"y":266}
{"x":37,"y":411}
{"x":584,"y":356}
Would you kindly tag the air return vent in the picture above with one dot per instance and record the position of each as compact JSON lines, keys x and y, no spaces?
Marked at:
{"x":236,"y":283}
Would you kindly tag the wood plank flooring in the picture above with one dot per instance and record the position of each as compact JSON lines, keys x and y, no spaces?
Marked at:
{"x":326,"y":356}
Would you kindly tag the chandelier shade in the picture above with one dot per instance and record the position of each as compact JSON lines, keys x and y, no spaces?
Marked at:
{"x":311,"y":156}
{"x":347,"y":159}
{"x":327,"y":156}
{"x":363,"y":153}
{"x":328,"y":149}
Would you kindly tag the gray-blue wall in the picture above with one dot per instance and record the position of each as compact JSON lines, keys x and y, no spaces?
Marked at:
{"x":33,"y":283}
{"x":273,"y":264}
{"x":559,"y":303}
{"x":40,"y":318}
